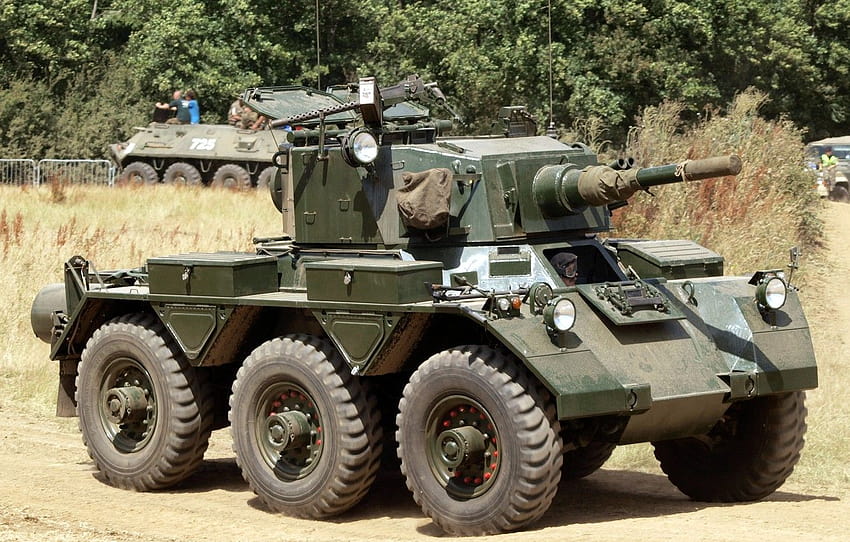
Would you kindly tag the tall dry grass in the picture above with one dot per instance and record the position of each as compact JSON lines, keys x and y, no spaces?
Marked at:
{"x":751,"y":219}
{"x":116,"y":228}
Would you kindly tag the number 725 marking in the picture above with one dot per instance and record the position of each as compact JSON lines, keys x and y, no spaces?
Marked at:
{"x":202,"y":144}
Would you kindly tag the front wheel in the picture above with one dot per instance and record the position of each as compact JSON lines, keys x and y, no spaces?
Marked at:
{"x":745,"y":457}
{"x":479,"y":442}
{"x":307,"y":434}
{"x":144,"y":412}
{"x":138,"y":173}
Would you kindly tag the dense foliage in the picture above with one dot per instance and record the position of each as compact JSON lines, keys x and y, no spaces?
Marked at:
{"x":79,"y":74}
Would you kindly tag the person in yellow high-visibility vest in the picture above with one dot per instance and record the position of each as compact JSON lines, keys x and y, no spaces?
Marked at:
{"x":827,"y":166}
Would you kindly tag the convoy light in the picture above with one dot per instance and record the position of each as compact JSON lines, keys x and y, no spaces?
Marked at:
{"x":504,"y":304}
{"x":771,"y":292}
{"x":560,"y":314}
{"x":359,"y":148}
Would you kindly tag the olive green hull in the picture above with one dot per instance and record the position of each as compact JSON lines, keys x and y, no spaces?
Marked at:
{"x":668,"y":378}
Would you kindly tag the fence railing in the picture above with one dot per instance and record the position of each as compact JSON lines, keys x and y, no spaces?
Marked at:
{"x":26,"y":171}
{"x":18,"y":171}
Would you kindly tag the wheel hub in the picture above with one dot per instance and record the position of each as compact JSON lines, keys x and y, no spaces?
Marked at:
{"x":288,"y":430}
{"x":461,"y":447}
{"x":126,"y":404}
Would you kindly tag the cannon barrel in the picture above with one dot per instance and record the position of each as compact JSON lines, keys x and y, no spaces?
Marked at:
{"x":564,"y":189}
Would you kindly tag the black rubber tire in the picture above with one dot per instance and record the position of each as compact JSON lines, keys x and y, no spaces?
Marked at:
{"x":183,"y":414}
{"x":182,"y":173}
{"x":585,"y":461}
{"x":232,"y":176}
{"x":138,"y":173}
{"x":839,"y":193}
{"x":526,"y":429}
{"x":350,"y":427}
{"x":264,"y":180}
{"x":747,"y":456}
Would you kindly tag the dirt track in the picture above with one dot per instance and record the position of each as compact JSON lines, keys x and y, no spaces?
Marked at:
{"x":50,"y":492}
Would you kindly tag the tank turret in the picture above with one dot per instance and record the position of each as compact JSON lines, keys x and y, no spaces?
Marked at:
{"x":363,"y":183}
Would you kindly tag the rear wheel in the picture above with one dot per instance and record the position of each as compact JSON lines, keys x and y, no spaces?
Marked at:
{"x":479,"y":442}
{"x":306,"y":433}
{"x":265,"y":178}
{"x":182,"y":173}
{"x":144,"y":412}
{"x":585,"y":461}
{"x":138,"y":173}
{"x":745,"y":457}
{"x":232,"y":176}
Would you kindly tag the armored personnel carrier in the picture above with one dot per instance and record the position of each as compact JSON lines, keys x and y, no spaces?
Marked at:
{"x":447,"y":298}
{"x":215,"y":154}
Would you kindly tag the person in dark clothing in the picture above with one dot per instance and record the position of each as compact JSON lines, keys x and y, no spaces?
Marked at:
{"x":177,"y":108}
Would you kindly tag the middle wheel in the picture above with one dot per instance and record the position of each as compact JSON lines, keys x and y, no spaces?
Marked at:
{"x":307,"y":434}
{"x":479,"y":442}
{"x":232,"y":176}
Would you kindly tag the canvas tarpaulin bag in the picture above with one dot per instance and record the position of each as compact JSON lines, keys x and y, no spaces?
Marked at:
{"x":425,"y":199}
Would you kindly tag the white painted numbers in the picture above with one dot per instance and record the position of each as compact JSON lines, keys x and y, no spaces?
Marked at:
{"x":202,"y":144}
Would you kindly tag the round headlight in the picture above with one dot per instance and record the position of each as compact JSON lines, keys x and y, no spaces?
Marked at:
{"x":772,"y":293}
{"x":560,"y":314}
{"x":364,"y":146}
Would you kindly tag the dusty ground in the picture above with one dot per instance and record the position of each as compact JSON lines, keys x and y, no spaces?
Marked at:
{"x":50,"y":492}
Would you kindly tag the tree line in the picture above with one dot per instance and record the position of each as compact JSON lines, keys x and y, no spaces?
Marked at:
{"x":79,"y":74}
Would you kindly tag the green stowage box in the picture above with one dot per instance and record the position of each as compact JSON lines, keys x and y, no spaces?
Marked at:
{"x":220,"y":274}
{"x":365,"y":280}
{"x":680,"y":259}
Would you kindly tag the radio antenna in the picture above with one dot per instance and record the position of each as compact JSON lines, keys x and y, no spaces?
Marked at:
{"x":550,"y":130}
{"x":318,"y":57}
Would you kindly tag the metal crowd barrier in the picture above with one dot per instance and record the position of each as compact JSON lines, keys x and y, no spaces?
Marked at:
{"x":22,"y":171}
{"x":76,"y":171}
{"x":18,"y":171}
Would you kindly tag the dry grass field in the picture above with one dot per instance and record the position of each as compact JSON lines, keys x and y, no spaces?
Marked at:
{"x":40,"y":229}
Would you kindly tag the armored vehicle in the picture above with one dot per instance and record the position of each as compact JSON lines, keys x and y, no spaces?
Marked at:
{"x":214,"y":154}
{"x":448,"y":299}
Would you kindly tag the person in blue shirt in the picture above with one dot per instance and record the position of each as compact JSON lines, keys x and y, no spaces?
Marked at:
{"x":192,"y":106}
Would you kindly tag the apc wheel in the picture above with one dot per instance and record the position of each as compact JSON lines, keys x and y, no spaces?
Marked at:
{"x":265,"y":178}
{"x":479,"y":442}
{"x":306,"y":433}
{"x":585,"y":461}
{"x":839,"y":193}
{"x":138,"y":173}
{"x":143,"y":411}
{"x":232,"y":176}
{"x":182,"y":173}
{"x":745,"y":457}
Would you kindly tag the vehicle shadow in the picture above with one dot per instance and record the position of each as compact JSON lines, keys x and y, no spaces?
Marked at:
{"x":611,"y":495}
{"x":605,"y":496}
